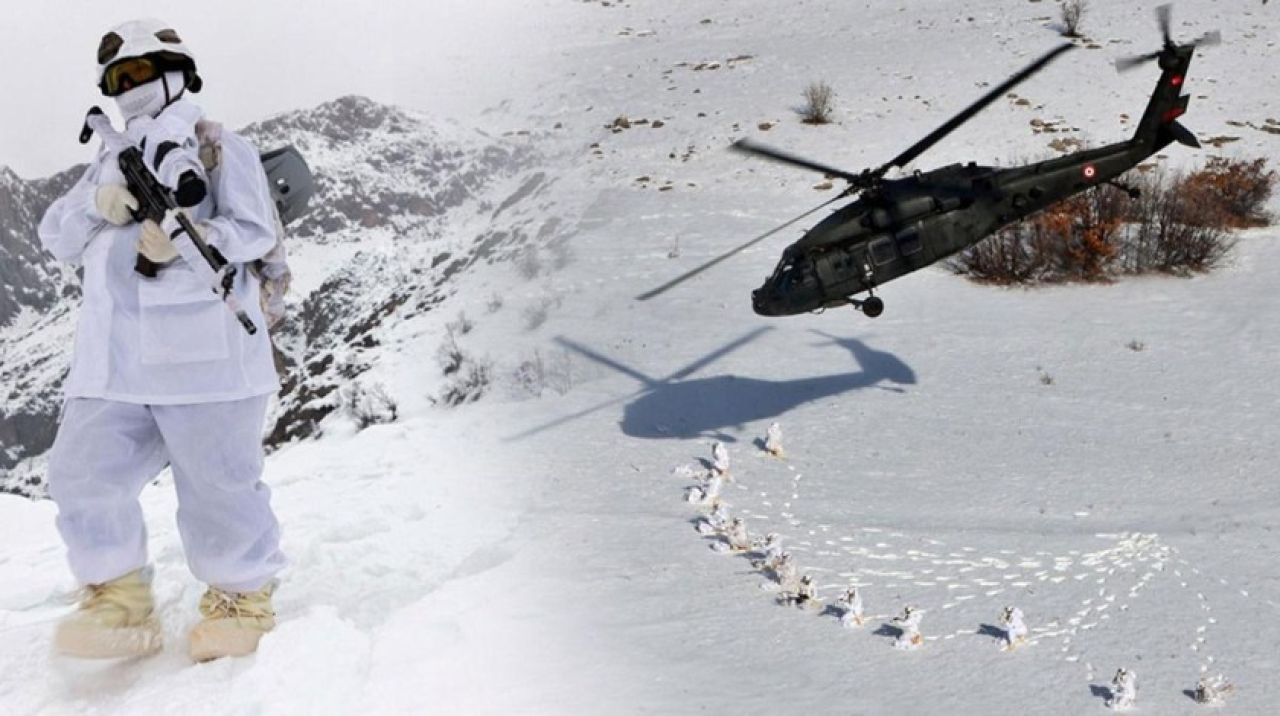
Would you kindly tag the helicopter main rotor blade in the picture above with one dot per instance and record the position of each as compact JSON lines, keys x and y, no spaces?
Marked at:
{"x":746,"y":146}
{"x":730,"y":253}
{"x":919,"y":147}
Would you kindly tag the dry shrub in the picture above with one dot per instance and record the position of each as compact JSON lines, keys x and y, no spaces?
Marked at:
{"x":468,"y":384}
{"x":1180,"y":224}
{"x":534,"y":375}
{"x":368,"y":404}
{"x":1072,"y":13}
{"x":1172,"y":231}
{"x":1083,"y":232}
{"x":1231,"y":192}
{"x":819,"y":103}
{"x":1073,"y":240}
{"x":1011,"y":255}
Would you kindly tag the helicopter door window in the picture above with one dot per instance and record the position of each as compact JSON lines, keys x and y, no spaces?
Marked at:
{"x":909,"y":241}
{"x":882,"y":251}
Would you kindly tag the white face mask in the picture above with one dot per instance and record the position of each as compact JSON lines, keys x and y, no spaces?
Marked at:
{"x":149,"y":99}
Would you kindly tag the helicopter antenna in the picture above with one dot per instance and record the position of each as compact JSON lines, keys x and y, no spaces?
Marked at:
{"x":732,"y":252}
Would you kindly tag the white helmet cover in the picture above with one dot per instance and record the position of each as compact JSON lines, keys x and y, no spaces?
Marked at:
{"x":147,"y":38}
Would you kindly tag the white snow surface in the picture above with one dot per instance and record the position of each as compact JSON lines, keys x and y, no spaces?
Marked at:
{"x":399,"y":598}
{"x":535,"y":556}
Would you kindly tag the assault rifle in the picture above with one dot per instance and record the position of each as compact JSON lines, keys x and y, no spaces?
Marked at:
{"x":155,"y":200}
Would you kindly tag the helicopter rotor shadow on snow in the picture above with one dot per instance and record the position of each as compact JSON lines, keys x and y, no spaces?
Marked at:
{"x":683,"y":408}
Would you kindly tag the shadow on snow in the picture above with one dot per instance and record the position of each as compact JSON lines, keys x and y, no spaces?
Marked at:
{"x":682,"y":407}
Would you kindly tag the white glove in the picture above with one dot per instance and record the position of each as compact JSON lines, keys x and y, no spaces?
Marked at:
{"x":114,"y":202}
{"x":154,"y":241}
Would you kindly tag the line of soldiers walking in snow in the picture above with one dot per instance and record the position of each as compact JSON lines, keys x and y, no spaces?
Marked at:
{"x":795,"y":589}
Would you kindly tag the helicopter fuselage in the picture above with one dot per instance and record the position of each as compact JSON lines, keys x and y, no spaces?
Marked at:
{"x":910,"y":223}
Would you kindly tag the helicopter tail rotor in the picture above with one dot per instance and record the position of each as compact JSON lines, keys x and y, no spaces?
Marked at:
{"x":1164,"y":16}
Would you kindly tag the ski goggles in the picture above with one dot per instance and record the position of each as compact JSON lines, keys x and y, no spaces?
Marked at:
{"x":129,"y":73}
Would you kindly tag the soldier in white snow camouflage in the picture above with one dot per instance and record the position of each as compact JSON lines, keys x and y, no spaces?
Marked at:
{"x":1124,"y":690}
{"x":162,"y":374}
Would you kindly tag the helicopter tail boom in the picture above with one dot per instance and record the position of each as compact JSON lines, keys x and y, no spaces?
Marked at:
{"x":1158,"y":126}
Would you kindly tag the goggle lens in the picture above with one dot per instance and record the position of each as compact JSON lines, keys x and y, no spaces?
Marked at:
{"x":127,"y":74}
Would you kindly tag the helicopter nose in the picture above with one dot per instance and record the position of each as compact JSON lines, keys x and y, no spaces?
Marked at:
{"x":760,"y":303}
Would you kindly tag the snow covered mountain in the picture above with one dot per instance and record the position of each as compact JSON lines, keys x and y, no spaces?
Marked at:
{"x":390,"y":235}
{"x":27,"y":279}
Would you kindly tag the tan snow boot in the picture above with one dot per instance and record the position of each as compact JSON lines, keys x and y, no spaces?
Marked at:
{"x":233,"y":623}
{"x":116,"y":619}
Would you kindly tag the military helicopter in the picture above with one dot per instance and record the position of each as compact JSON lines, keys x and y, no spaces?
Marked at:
{"x":897,"y":226}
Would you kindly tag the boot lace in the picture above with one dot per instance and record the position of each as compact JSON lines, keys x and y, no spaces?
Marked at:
{"x":91,"y":596}
{"x":220,"y":604}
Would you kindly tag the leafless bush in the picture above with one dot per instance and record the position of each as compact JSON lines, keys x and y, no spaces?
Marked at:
{"x":1233,"y":192}
{"x":535,"y":375}
{"x":1174,"y":227}
{"x":819,"y":103}
{"x":1073,"y":240}
{"x":1073,"y":12}
{"x":368,"y":404}
{"x":531,"y":376}
{"x":470,"y":382}
{"x":461,"y":325}
{"x":1179,"y":224}
{"x":1011,"y":255}
{"x":449,"y":356}
{"x":559,"y":372}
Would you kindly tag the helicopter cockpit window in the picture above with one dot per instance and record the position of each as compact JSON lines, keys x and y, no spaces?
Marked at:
{"x":909,"y":241}
{"x":785,"y":274}
{"x":882,"y":251}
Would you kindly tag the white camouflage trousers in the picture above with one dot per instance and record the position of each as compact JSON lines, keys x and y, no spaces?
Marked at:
{"x":107,"y":451}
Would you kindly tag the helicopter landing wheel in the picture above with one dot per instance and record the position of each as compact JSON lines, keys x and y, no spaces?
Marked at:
{"x":872,"y":307}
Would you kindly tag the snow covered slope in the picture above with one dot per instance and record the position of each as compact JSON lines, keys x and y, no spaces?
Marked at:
{"x":1098,"y":456}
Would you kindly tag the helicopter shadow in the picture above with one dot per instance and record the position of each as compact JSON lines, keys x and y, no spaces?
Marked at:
{"x":684,"y":408}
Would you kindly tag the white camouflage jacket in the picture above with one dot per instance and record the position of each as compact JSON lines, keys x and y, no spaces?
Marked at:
{"x":169,"y":339}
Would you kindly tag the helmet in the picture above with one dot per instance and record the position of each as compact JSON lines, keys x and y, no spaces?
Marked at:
{"x":151,"y":39}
